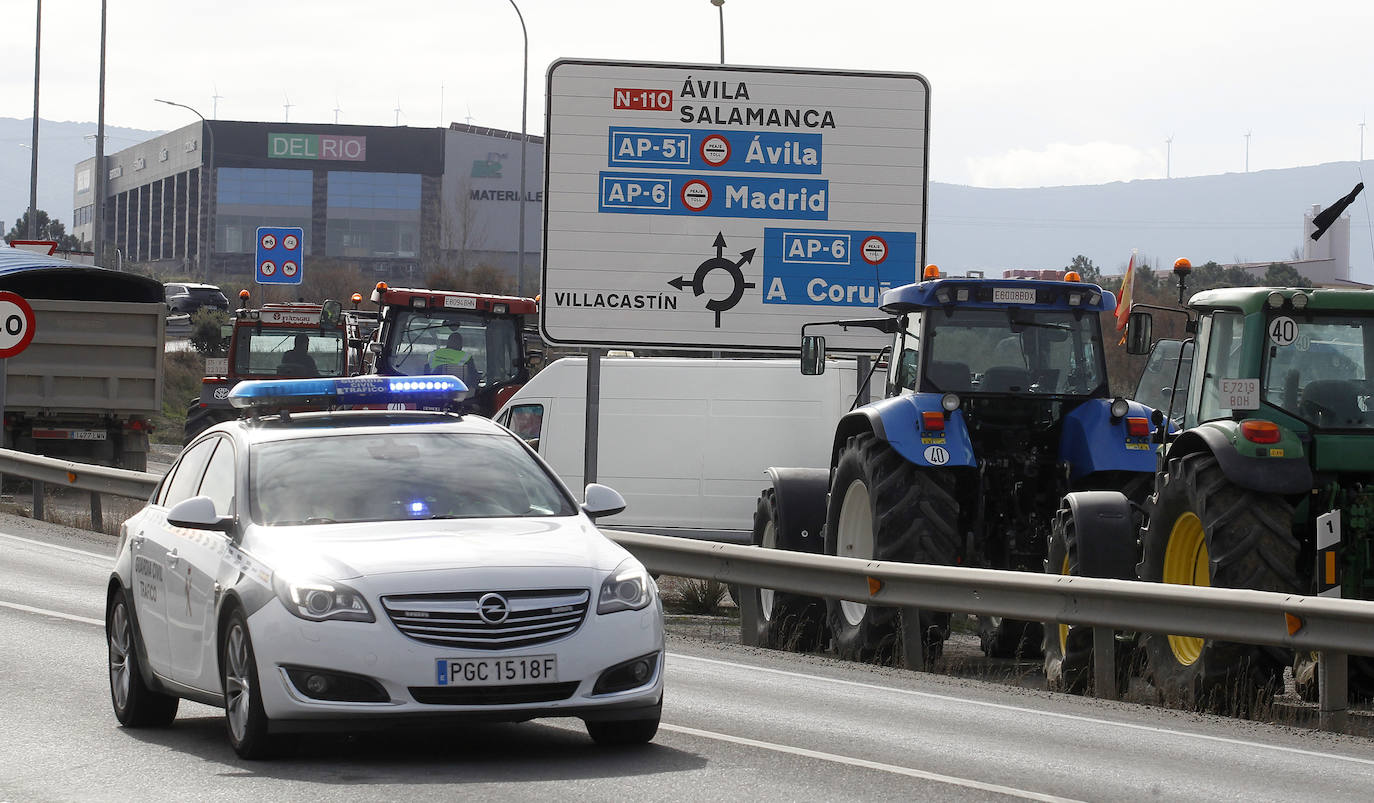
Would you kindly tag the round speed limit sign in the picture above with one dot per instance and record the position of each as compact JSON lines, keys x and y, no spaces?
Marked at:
{"x":17,"y":324}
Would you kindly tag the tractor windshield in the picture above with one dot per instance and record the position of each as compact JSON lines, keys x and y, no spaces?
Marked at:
{"x":1015,"y":350}
{"x":288,"y":351}
{"x":1318,"y":369}
{"x":424,"y":341}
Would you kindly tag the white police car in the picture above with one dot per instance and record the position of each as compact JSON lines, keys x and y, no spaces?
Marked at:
{"x":369,"y":568}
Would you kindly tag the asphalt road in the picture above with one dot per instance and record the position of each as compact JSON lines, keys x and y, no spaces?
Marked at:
{"x":739,"y":724}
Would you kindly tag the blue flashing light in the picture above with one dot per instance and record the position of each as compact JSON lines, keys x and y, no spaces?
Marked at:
{"x":346,"y":391}
{"x":419,"y":509}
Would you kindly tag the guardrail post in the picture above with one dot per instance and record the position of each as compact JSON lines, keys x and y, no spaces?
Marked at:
{"x":749,"y":617}
{"x":1333,"y":671}
{"x":38,"y":499}
{"x":1104,"y":663}
{"x":97,"y":520}
{"x":913,"y":640}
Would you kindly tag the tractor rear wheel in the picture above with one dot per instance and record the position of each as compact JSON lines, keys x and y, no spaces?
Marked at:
{"x":788,"y":621}
{"x":882,"y":507}
{"x":1206,"y":531}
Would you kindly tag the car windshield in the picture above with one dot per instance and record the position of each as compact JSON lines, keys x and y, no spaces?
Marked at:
{"x":282,"y":351}
{"x":491,"y":345}
{"x":397,"y":476}
{"x":1016,"y":350}
{"x":1318,"y":369}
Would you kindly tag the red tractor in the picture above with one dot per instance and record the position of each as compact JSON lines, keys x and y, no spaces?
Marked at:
{"x":274,"y":340}
{"x":478,"y":337}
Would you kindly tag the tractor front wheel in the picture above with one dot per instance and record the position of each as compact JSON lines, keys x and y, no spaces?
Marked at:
{"x":1206,"y":531}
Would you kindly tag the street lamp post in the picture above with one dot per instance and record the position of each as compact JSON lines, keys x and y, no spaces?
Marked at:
{"x":720,"y":6}
{"x":208,"y":165}
{"x":524,"y":142}
{"x":33,"y":171}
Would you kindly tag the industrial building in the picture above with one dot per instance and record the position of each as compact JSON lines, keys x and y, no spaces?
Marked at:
{"x":394,"y":202}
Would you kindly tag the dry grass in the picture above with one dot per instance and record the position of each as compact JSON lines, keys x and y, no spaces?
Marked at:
{"x":70,"y":508}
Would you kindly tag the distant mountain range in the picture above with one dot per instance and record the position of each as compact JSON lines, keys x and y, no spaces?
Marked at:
{"x":1234,"y":217}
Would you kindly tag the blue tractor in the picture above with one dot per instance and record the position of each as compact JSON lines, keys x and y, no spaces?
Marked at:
{"x":996,"y":406}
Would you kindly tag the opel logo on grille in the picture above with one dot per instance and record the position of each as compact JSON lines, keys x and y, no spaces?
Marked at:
{"x":493,"y":609}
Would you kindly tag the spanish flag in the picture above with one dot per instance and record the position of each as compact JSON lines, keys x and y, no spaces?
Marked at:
{"x":1123,"y":298}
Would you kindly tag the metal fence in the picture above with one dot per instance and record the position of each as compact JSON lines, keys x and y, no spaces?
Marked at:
{"x":1334,"y":628}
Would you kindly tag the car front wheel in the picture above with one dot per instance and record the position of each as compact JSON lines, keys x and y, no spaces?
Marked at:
{"x":244,"y":717}
{"x":135,"y":705}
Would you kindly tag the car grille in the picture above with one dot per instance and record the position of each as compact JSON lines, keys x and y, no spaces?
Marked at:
{"x":454,"y":620}
{"x":493,"y":695}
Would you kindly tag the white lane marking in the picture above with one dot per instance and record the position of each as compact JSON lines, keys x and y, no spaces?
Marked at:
{"x":1055,"y":714}
{"x":57,"y":547}
{"x":872,"y":765}
{"x":45,"y":612}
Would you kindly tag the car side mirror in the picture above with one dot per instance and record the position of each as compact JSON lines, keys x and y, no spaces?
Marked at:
{"x":198,"y":513}
{"x":374,"y":347}
{"x":601,"y":500}
{"x":812,"y":355}
{"x":1138,"y":333}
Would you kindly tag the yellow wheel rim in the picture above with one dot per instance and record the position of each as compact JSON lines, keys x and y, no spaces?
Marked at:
{"x":1186,"y":563}
{"x":1063,"y":628}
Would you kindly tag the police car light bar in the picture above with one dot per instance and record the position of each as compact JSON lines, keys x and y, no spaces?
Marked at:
{"x":346,"y":390}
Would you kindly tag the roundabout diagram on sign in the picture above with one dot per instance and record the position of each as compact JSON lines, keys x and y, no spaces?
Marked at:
{"x":719,"y":262}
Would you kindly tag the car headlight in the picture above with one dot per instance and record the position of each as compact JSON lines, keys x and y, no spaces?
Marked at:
{"x":629,"y":588}
{"x":320,"y":600}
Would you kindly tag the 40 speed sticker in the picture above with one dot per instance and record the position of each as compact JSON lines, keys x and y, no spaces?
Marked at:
{"x":936,"y":455}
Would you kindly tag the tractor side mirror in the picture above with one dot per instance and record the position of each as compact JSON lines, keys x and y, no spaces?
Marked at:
{"x":1138,"y":333}
{"x":812,"y":355}
{"x":330,"y":314}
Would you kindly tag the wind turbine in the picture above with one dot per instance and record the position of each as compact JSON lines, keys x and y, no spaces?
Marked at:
{"x":1168,"y":154}
{"x":287,"y":105}
{"x":214,"y":103}
{"x":336,"y":109}
{"x":398,"y":111}
{"x":469,"y":118}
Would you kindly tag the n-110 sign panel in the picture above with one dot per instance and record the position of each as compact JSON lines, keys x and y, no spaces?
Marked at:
{"x":714,"y":207}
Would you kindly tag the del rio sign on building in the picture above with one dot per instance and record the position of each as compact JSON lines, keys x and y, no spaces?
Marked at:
{"x":721,"y":207}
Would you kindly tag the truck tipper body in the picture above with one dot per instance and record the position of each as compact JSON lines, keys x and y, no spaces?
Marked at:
{"x":87,"y":386}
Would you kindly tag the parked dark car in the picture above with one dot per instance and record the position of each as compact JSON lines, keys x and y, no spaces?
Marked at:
{"x":187,"y":297}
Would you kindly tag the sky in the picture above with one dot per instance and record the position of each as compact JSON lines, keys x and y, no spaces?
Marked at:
{"x":1022,"y":94}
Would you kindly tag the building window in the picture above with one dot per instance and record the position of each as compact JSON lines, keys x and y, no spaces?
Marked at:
{"x":251,"y":197}
{"x":373,"y":214}
{"x":351,"y":190}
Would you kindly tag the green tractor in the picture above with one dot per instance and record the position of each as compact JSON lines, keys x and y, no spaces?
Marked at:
{"x":1269,"y":485}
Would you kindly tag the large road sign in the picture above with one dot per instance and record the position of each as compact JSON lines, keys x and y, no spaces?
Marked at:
{"x":714,"y":207}
{"x":279,"y":255}
{"x":17,"y":324}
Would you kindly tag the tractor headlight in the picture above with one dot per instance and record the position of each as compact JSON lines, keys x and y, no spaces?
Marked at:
{"x":950,"y":402}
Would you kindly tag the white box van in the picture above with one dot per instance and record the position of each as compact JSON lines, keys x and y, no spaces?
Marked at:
{"x":685,"y":440}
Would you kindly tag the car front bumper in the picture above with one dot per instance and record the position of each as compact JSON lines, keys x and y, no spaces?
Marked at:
{"x":405,"y":668}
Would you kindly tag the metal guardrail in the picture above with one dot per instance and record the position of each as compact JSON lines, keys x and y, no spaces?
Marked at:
{"x":82,"y":476}
{"x":1332,"y":627}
